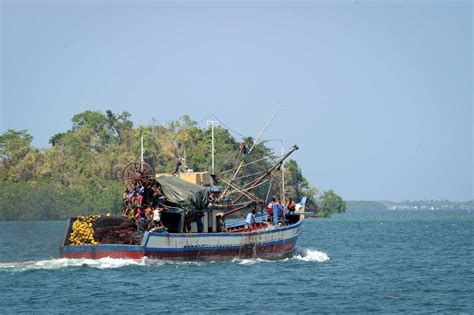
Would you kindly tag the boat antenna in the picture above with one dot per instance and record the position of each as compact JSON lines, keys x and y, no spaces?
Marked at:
{"x":213,"y":147}
{"x":153,"y":122}
{"x":142,"y":151}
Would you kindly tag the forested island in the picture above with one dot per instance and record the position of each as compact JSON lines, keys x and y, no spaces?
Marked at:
{"x":81,"y":172}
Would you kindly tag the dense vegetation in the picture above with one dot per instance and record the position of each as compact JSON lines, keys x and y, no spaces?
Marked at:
{"x":330,"y":203}
{"x":80,"y":173}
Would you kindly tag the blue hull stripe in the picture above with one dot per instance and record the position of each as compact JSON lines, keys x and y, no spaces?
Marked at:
{"x":216,"y":248}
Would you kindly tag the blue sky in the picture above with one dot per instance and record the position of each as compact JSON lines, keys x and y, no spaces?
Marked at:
{"x":378,"y":95}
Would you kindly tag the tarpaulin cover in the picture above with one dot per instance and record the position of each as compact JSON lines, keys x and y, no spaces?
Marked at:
{"x":182,"y":193}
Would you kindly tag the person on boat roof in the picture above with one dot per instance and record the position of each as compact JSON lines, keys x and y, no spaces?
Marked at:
{"x":250,"y":220}
{"x":177,"y":166}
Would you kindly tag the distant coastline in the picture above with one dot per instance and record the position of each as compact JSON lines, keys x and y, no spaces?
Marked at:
{"x":410,"y":205}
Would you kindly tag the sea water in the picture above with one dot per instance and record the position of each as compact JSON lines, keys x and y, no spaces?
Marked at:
{"x":358,"y":262}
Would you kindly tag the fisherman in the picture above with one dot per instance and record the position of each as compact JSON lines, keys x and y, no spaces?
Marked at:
{"x":198,"y":219}
{"x":131,"y":212}
{"x":188,"y":218}
{"x":213,"y":197}
{"x":178,"y":164}
{"x":132,"y":199}
{"x":156,"y":220}
{"x":281,"y":209}
{"x":220,"y":224}
{"x":140,"y":216}
{"x":250,"y":220}
{"x":270,"y":207}
{"x":125,"y":196}
{"x":156,"y":193}
{"x":125,"y":201}
{"x":291,"y":205}
{"x":140,"y":197}
{"x":148,"y":212}
{"x":244,"y":148}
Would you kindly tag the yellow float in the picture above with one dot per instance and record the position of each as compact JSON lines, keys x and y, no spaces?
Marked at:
{"x":82,"y":231}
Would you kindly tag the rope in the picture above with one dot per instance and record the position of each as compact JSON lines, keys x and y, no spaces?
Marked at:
{"x":250,"y":163}
{"x":250,"y":175}
{"x":228,"y":128}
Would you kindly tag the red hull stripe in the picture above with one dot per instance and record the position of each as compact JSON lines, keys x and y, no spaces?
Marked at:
{"x":103,"y":254}
{"x":103,"y":247}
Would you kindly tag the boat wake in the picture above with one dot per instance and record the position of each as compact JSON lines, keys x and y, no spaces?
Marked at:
{"x":51,"y":264}
{"x":303,"y":254}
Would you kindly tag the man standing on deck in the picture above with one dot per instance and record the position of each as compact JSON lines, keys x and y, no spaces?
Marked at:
{"x":250,"y":220}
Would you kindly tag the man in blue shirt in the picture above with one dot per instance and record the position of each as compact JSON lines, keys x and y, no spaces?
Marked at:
{"x":250,"y":220}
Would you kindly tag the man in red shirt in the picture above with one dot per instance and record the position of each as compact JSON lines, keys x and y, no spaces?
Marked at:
{"x":270,"y":207}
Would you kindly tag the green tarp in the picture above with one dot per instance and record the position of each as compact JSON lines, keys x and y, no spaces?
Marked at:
{"x":188,"y":196}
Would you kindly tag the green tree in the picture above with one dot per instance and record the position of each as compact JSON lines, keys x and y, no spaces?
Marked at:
{"x":15,"y":147}
{"x":330,"y":203}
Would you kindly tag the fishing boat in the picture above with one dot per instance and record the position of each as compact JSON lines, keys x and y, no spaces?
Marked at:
{"x":267,"y":241}
{"x":194,"y":212}
{"x":270,"y":236}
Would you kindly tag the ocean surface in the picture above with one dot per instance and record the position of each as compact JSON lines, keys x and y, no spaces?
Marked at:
{"x":358,"y":262}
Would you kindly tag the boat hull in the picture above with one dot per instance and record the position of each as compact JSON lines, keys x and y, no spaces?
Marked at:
{"x":272,"y":252}
{"x":272,"y":243}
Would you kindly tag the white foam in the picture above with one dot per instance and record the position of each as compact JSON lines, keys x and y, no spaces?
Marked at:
{"x":304,"y":254}
{"x":310,"y":255}
{"x":103,"y":263}
{"x":249,"y":261}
